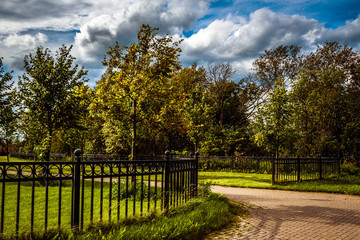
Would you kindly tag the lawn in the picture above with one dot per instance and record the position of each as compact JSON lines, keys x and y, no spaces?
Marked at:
{"x":345,"y":184}
{"x":125,"y":209}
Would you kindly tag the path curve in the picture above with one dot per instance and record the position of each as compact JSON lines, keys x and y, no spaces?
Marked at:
{"x":277,"y":214}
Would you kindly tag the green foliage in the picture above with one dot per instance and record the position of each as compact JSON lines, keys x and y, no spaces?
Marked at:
{"x":47,"y":93}
{"x":8,"y":116}
{"x":140,"y":74}
{"x":272,"y":125}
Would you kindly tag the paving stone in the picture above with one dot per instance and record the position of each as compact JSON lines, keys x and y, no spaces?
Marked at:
{"x":277,"y":214}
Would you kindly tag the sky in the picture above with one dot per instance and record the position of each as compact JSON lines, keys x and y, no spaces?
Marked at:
{"x":235,"y":31}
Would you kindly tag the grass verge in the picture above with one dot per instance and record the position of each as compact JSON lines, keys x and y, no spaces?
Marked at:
{"x":345,"y":184}
{"x":193,"y":220}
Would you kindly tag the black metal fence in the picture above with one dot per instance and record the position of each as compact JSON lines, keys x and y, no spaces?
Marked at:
{"x":236,"y":163}
{"x":303,"y":169}
{"x":38,"y":196}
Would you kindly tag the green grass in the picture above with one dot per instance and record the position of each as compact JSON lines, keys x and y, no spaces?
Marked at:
{"x":193,"y":220}
{"x":13,"y":159}
{"x":53,"y":208}
{"x":345,"y":184}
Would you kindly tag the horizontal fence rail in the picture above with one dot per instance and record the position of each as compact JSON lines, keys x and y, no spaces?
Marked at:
{"x":38,"y":196}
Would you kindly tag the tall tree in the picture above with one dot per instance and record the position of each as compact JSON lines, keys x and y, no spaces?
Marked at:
{"x":7,"y":104}
{"x":46,"y":91}
{"x":138,"y":87}
{"x":272,"y":125}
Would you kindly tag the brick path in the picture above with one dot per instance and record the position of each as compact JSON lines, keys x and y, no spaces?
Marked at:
{"x":276,"y":214}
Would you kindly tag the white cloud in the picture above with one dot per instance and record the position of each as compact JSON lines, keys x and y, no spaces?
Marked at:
{"x":349,"y":33}
{"x":14,"y":47}
{"x":102,"y":31}
{"x":235,"y":39}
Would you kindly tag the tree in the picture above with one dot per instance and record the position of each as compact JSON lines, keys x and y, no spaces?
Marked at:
{"x":272,"y":125}
{"x":283,"y":61}
{"x":46,"y":91}
{"x":225,"y":109}
{"x":7,"y":114}
{"x":137,"y":89}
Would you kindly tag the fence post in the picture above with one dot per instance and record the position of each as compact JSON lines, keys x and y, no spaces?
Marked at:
{"x":320,"y":168}
{"x":76,"y":191}
{"x":273,"y":169}
{"x":196,"y":172}
{"x":167,"y":180}
{"x":298,"y":169}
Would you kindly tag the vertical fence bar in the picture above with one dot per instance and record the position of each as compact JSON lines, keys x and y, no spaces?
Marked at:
{"x":142,"y":188}
{"x":82,"y":196}
{"x":46,"y":195}
{"x":273,"y":170}
{"x":148,"y":198}
{"x":298,"y":169}
{"x":32,"y":201}
{"x":76,"y":190}
{"x":126,"y":189}
{"x":18,"y":203}
{"x":110,"y":189}
{"x":101,"y":190}
{"x":133,"y":179}
{"x":118,"y":193}
{"x":92,"y":193}
{"x":3,"y":199}
{"x":59,"y":203}
{"x":196,"y":172}
{"x":320,"y":168}
{"x":167,"y":182}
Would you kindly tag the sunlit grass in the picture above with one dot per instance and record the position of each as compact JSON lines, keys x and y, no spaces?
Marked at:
{"x":144,"y":208}
{"x":344,"y":184}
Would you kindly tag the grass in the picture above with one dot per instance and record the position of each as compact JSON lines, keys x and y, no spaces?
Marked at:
{"x":53,"y":208}
{"x":13,"y":159}
{"x":345,"y":184}
{"x":192,"y":220}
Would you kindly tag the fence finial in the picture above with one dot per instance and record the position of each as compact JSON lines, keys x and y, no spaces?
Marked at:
{"x":167,"y":153}
{"x":77,"y":152}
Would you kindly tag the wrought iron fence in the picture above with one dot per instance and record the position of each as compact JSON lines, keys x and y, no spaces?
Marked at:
{"x":235,"y":163}
{"x":302,"y":169}
{"x":37,"y":196}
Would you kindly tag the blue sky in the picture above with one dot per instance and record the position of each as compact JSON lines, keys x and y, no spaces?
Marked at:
{"x":213,"y":31}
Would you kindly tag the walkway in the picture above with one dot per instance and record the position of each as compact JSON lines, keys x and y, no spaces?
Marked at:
{"x":277,"y":214}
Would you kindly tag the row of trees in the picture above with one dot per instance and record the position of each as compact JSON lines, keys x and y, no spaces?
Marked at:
{"x":146,"y":102}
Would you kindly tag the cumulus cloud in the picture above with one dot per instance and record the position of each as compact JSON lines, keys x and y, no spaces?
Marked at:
{"x":14,"y":47}
{"x":171,"y":16}
{"x":349,"y":33}
{"x":235,"y":38}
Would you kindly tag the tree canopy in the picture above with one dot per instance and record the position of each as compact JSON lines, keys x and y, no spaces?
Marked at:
{"x":46,"y":91}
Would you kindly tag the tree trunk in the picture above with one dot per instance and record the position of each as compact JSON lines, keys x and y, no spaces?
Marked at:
{"x":133,"y":145}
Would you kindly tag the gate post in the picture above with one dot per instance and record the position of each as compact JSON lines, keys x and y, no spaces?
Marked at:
{"x":76,"y":192}
{"x":167,"y":180}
